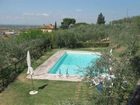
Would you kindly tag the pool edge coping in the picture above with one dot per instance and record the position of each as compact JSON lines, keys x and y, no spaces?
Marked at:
{"x":41,"y":72}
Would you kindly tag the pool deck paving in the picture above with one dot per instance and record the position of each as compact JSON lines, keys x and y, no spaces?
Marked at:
{"x":41,"y":72}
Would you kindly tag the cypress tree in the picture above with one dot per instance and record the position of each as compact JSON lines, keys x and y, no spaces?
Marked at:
{"x":55,"y":26}
{"x":101,"y":19}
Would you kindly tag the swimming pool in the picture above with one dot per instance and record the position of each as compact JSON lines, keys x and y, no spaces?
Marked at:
{"x":74,"y":63}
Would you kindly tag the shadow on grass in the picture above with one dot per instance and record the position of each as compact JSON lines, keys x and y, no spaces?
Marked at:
{"x":42,"y":87}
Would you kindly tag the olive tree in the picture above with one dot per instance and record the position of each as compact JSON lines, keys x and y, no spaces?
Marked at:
{"x":116,"y":92}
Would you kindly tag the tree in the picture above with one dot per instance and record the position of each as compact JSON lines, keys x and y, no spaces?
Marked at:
{"x":125,"y":68}
{"x":55,"y":26}
{"x":123,"y":84}
{"x":101,"y":19}
{"x":67,"y":22}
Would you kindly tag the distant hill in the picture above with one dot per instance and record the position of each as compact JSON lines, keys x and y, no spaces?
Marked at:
{"x":18,"y":27}
{"x":130,"y":20}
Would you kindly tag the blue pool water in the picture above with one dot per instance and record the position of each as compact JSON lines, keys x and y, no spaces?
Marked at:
{"x":73,"y":63}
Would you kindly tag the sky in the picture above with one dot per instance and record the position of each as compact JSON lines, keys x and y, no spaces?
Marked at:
{"x":38,"y":12}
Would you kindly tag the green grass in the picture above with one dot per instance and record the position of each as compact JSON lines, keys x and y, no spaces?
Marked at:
{"x":17,"y":93}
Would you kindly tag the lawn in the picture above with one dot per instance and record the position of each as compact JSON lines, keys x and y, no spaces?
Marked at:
{"x":17,"y":93}
{"x":54,"y":92}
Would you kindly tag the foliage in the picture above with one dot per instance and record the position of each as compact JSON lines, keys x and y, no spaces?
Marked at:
{"x":101,"y":19}
{"x":67,"y":22}
{"x":55,"y":26}
{"x":79,"y":24}
{"x":135,"y":20}
{"x":92,"y":44}
{"x":13,"y":49}
{"x":125,"y":80}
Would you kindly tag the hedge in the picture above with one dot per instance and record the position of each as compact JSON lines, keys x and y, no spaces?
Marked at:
{"x":93,"y":44}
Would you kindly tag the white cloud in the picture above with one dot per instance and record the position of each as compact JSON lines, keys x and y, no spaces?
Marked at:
{"x":78,"y":10}
{"x":45,"y":14}
{"x":36,"y":14}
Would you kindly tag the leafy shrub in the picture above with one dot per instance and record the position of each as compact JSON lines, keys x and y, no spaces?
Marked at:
{"x":93,"y":44}
{"x":14,"y":49}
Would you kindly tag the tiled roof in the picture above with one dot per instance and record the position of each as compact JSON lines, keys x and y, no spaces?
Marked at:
{"x":50,"y":26}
